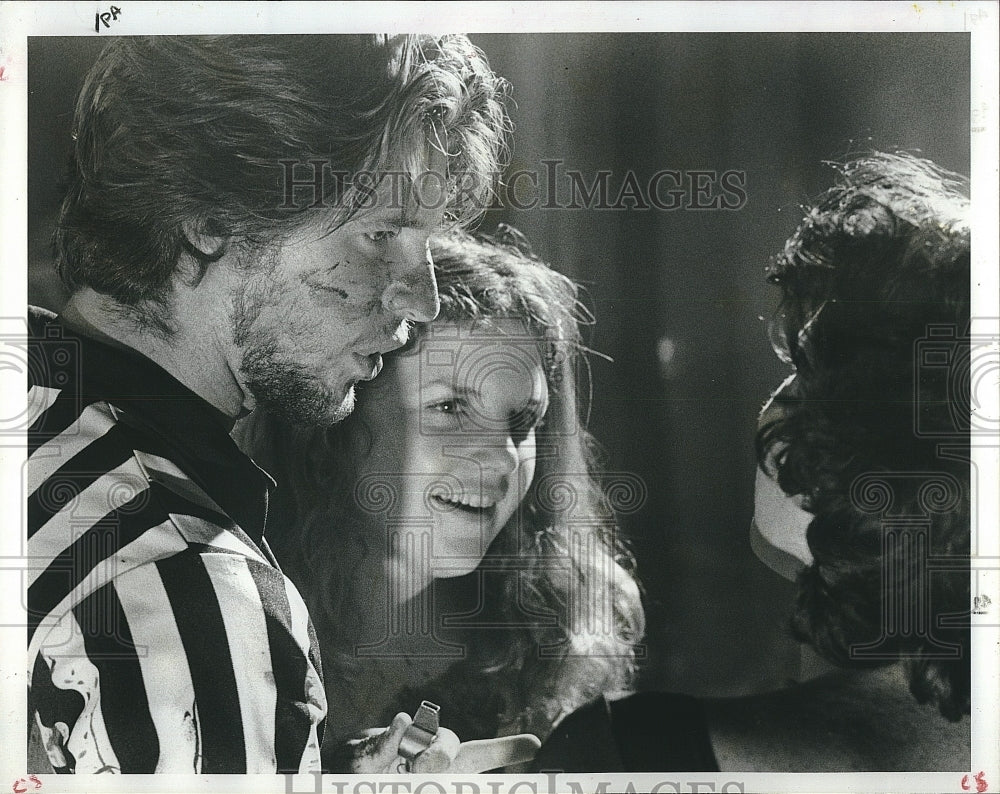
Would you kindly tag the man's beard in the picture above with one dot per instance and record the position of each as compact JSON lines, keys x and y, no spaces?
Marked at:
{"x":286,"y":391}
{"x":281,"y":387}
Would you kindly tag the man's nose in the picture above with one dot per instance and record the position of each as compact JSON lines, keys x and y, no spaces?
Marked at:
{"x":413,"y":293}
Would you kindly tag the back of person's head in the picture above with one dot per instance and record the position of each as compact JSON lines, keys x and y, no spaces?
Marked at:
{"x":876,"y":273}
{"x":244,"y":137}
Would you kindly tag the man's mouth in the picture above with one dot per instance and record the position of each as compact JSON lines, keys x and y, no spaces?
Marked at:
{"x":400,"y":336}
{"x":371,"y":363}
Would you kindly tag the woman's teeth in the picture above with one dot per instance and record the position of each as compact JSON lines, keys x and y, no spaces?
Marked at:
{"x":471,"y":502}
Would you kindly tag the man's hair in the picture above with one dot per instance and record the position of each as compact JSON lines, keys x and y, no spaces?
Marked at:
{"x":517,"y":676}
{"x":204,"y":131}
{"x":880,"y":260}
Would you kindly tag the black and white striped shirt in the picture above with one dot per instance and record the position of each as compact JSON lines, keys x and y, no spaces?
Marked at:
{"x":161,"y":635}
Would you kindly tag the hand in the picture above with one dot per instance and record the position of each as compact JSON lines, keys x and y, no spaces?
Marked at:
{"x":376,"y":752}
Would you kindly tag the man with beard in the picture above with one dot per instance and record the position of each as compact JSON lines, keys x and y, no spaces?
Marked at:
{"x":245,"y":224}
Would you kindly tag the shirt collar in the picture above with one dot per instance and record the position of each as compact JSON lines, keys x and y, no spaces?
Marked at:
{"x":195,"y":431}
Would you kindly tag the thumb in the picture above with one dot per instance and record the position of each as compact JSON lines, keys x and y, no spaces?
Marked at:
{"x":372,"y":753}
{"x":485,"y":754}
{"x":384,"y":747}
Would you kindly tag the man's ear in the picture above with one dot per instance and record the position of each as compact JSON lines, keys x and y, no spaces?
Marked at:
{"x":205,"y":239}
{"x":202,"y":246}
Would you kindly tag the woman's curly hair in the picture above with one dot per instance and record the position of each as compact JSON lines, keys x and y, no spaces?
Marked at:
{"x":877,"y":273}
{"x":518,"y":675}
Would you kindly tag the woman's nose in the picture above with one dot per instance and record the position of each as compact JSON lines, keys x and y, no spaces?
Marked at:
{"x":498,"y":453}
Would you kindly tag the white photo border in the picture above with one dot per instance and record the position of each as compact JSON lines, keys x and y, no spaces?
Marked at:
{"x":18,"y":20}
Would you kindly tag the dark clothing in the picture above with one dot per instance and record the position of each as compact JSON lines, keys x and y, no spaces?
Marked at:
{"x":644,"y":732}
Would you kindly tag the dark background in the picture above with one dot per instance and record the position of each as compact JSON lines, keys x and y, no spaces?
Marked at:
{"x":679,"y":294}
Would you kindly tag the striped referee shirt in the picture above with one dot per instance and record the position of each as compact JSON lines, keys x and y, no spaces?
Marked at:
{"x":162,"y":637}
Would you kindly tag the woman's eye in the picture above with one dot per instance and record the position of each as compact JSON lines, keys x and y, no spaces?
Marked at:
{"x":381,"y":235}
{"x":446,"y":407}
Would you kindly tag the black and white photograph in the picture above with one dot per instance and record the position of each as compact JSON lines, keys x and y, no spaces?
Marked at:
{"x":601,"y":398}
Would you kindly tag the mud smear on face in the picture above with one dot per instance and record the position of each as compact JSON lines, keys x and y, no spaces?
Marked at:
{"x":318,"y":280}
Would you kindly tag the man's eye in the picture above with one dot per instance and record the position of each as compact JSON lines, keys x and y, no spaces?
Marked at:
{"x":381,"y":235}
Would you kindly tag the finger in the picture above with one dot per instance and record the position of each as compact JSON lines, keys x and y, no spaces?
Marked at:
{"x":388,"y":742}
{"x":373,"y":750}
{"x":379,"y":752}
{"x":485,"y":754}
{"x":439,"y":755}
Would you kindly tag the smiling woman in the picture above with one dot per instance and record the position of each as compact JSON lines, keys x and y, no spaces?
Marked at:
{"x":451,"y":537}
{"x":455,"y":418}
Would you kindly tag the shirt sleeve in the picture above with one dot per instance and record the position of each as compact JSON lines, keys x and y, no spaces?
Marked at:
{"x":202,"y":662}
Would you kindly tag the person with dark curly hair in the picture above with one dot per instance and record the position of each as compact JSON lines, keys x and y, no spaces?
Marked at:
{"x":453,"y":538}
{"x":862,"y":497}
